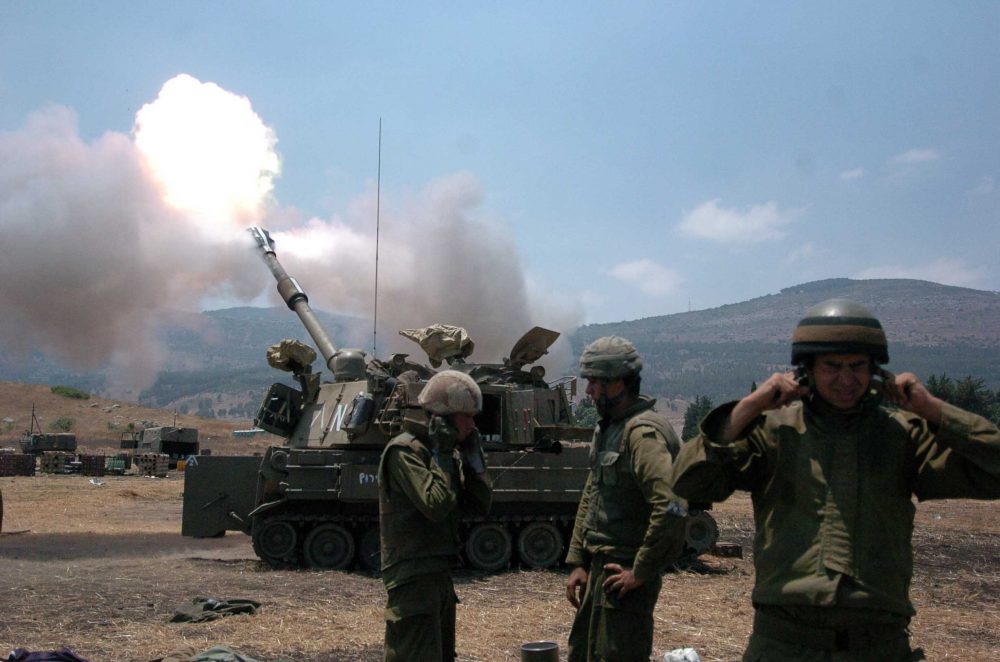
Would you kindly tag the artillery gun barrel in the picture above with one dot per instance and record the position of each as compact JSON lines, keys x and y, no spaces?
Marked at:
{"x":293,"y":295}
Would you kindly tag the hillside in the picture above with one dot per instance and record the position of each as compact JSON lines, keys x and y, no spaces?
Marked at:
{"x":214,"y":364}
{"x":98,"y":423}
{"x":720,"y":352}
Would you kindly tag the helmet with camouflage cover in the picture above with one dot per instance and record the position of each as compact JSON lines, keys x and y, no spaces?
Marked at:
{"x":839,"y":326}
{"x":451,"y":392}
{"x":610,"y":357}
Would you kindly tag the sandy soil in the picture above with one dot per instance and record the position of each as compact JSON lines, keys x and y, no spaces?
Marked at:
{"x":101,"y":569}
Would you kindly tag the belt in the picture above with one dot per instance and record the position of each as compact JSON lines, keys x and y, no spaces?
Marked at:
{"x":852,"y":638}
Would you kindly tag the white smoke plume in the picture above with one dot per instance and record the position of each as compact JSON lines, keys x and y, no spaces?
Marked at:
{"x":101,"y":240}
{"x":93,"y":254}
{"x":440,"y":260}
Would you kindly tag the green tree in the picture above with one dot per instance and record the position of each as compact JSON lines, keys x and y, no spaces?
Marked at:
{"x":972,"y":395}
{"x":586,"y":413}
{"x":696,"y":411}
{"x":942,"y":387}
{"x":64,"y":424}
{"x":70,"y":392}
{"x":969,"y":393}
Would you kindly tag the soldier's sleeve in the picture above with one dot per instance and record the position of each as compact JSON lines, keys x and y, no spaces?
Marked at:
{"x":477,"y":490}
{"x":652,"y":464}
{"x":958,"y":459}
{"x":425,"y":485}
{"x":576,"y":554}
{"x":708,"y":469}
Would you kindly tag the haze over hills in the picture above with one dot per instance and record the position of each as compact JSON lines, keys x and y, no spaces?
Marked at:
{"x":215,"y":361}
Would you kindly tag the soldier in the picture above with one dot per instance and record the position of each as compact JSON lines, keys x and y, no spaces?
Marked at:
{"x":831,"y":471}
{"x":629,"y":525}
{"x":428,"y":474}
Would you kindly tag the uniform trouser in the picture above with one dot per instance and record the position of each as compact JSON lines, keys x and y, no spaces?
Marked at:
{"x":420,"y":620}
{"x":828,"y":634}
{"x":612,"y":629}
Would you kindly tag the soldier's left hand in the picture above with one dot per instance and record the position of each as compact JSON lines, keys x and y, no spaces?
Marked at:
{"x":620,"y":580}
{"x":907,"y":391}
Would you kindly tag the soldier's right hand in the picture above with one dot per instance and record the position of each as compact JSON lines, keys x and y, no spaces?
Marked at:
{"x":780,"y":389}
{"x":576,"y":585}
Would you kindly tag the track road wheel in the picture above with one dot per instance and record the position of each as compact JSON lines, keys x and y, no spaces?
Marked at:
{"x":488,"y":547}
{"x":329,"y":547}
{"x":540,"y":545}
{"x":274,"y":542}
{"x":702,"y":532}
{"x":370,"y":550}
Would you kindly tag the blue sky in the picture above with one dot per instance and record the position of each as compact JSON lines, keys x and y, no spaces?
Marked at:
{"x":626,"y":159}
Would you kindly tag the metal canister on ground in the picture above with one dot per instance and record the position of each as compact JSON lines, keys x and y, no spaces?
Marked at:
{"x":540,"y":651}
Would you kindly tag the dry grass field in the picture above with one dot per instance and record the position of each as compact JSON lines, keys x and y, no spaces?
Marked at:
{"x":101,"y":569}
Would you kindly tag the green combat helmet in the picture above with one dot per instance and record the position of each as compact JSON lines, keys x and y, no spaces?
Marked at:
{"x":610,"y":357}
{"x":451,"y":392}
{"x":349,"y":365}
{"x":839,"y":326}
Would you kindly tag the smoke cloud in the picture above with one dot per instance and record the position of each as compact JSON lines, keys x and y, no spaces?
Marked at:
{"x":94,"y":257}
{"x":102,"y":240}
{"x":441,"y":259}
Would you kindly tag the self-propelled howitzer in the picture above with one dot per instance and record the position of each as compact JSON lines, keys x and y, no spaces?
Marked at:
{"x":314,"y":500}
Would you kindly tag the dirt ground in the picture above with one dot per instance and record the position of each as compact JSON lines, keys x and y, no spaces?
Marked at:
{"x":102,"y":568}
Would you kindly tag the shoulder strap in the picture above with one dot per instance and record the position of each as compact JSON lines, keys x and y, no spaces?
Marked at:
{"x":654,"y":421}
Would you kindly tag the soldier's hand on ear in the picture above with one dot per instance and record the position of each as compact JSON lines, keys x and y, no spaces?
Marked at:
{"x":908,"y":392}
{"x":780,"y":389}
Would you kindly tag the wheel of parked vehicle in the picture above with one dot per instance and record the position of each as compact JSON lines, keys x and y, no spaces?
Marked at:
{"x":370,"y":550}
{"x":702,"y":532}
{"x":540,"y":545}
{"x":488,"y":547}
{"x":329,"y":547}
{"x":274,"y":541}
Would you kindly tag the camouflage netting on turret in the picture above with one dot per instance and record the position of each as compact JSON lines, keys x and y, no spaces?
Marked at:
{"x":442,"y":342}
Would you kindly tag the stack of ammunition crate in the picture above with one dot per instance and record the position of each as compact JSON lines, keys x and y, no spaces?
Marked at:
{"x":92,"y":465}
{"x":118,"y":464}
{"x":54,"y":462}
{"x":152,"y":464}
{"x":17,"y":464}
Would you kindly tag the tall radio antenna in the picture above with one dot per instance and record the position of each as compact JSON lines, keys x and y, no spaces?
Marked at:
{"x":378,"y":203}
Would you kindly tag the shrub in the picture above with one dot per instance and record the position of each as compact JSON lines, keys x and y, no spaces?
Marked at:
{"x":70,"y":392}
{"x":63,"y":423}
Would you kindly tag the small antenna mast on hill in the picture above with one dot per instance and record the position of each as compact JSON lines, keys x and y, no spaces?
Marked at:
{"x":34,"y":421}
{"x":378,"y":202}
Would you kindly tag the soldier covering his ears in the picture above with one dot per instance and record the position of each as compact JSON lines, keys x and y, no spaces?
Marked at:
{"x":428,"y":475}
{"x":832,"y":470}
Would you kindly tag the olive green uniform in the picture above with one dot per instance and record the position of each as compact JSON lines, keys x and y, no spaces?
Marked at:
{"x":419,"y":510}
{"x":628,"y":515}
{"x":834,"y":515}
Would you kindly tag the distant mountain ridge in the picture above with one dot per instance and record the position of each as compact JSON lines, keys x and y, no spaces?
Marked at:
{"x":215,"y":361}
{"x":915,"y":312}
{"x":720,"y":352}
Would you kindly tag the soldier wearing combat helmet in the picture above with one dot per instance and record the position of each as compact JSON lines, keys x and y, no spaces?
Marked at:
{"x":832,"y":471}
{"x":427,"y":476}
{"x":629,"y":525}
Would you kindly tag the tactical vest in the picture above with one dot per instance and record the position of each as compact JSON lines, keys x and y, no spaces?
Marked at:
{"x":618,"y":515}
{"x":406,"y":533}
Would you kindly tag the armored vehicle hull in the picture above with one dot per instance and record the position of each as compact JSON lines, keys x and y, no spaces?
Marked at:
{"x":41,"y":442}
{"x":327,"y":514}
